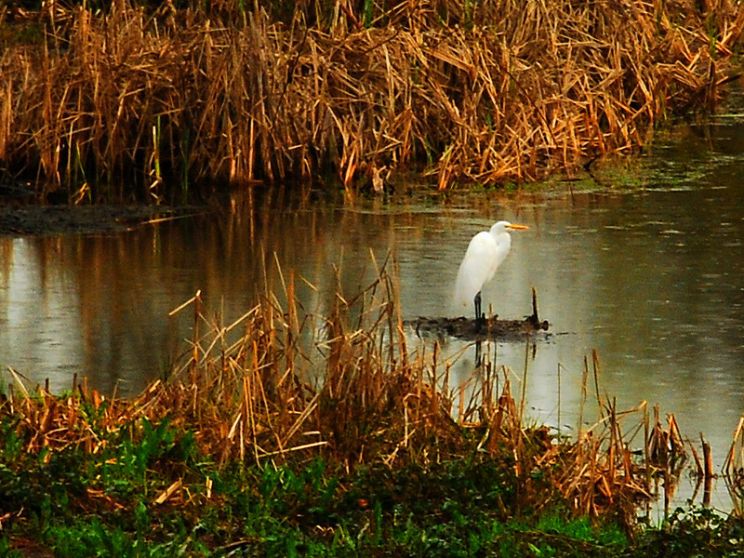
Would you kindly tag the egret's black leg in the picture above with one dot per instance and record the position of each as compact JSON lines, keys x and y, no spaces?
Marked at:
{"x":477,"y":301}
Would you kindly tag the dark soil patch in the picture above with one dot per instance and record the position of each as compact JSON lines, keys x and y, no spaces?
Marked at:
{"x":56,"y":219}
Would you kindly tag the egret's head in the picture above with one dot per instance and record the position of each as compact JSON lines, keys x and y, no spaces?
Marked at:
{"x":505,"y":226}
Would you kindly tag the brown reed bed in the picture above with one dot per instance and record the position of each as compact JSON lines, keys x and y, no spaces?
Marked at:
{"x":134,"y":103}
{"x":279,"y":385}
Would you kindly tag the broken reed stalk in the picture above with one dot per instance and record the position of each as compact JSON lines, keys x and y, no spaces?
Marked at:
{"x":665,"y":446}
{"x":558,"y":419}
{"x":595,"y":373}
{"x":582,"y":399}
{"x":708,"y":470}
{"x":733,"y":469}
{"x":129,"y":103}
{"x":733,"y":466}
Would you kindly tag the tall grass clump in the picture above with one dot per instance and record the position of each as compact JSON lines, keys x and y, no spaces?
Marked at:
{"x":130,"y":101}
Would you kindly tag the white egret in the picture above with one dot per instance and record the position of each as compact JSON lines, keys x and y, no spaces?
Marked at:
{"x":484,"y":255}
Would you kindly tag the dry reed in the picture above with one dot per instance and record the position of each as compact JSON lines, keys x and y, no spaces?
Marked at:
{"x":126,"y":103}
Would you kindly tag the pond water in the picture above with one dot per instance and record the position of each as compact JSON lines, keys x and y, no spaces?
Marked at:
{"x":646,"y":270}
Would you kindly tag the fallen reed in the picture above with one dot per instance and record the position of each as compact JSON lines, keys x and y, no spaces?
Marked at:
{"x":280,"y":385}
{"x":133,"y":102}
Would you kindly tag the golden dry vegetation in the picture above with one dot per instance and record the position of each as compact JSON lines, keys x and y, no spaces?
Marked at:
{"x":141,"y":102}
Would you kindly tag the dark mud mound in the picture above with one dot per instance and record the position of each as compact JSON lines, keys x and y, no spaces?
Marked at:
{"x":480,"y":330}
{"x":483,"y":329}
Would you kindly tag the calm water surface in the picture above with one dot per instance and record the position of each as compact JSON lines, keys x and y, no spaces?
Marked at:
{"x":649,"y":275}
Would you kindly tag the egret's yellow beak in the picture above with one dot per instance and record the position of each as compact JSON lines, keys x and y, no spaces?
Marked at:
{"x":515,"y":227}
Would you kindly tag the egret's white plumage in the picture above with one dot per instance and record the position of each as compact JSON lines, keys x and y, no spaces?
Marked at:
{"x":484,"y":255}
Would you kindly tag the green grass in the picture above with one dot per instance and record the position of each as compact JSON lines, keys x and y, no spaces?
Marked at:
{"x":76,"y":504}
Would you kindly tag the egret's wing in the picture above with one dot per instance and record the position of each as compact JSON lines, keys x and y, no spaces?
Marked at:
{"x":475,"y":269}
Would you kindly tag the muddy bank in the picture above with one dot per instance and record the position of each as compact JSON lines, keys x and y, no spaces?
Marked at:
{"x":58,"y":219}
